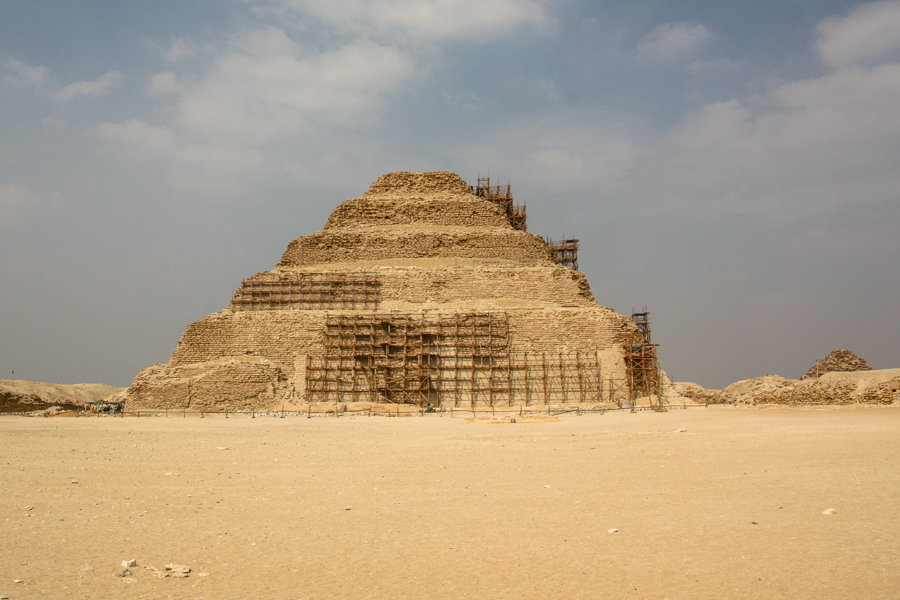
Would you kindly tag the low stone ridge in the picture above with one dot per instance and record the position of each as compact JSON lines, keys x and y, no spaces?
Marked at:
{"x":21,"y":396}
{"x":834,"y":388}
{"x":838,"y":360}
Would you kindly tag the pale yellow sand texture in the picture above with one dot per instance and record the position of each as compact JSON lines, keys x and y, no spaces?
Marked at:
{"x":603,"y":506}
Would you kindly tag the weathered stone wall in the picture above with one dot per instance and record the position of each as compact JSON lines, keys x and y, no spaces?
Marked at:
{"x":281,"y":336}
{"x":277,"y":336}
{"x":456,"y":211}
{"x":433,"y":184}
{"x":483,"y":288}
{"x":343,"y":245}
{"x":211,"y":386}
{"x":576,"y":329}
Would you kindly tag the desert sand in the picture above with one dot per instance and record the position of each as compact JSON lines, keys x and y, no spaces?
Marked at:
{"x":714,"y":502}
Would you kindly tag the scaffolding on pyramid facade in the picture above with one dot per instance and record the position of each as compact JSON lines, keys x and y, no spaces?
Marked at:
{"x":565,"y":252}
{"x":641,"y":364}
{"x":502,"y":196}
{"x":310,"y":291}
{"x":459,"y":360}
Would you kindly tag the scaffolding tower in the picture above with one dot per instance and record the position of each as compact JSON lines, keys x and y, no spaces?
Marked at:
{"x":565,"y":252}
{"x":502,"y":196}
{"x":642,"y":367}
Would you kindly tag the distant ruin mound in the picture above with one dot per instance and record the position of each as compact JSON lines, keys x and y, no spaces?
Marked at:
{"x":877,"y":387}
{"x":838,"y":360}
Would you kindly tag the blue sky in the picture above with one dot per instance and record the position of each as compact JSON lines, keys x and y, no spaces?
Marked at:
{"x":732,"y":166}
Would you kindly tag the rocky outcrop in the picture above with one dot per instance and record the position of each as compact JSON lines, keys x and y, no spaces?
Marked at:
{"x":19,"y":396}
{"x":835,"y":388}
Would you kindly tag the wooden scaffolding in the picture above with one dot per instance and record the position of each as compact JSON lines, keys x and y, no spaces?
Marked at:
{"x":456,"y":360}
{"x":313,"y":291}
{"x":642,"y":367}
{"x":565,"y":252}
{"x":502,"y":196}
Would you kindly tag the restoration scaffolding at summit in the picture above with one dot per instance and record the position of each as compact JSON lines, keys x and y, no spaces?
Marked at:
{"x":422,"y":292}
{"x":502,"y":197}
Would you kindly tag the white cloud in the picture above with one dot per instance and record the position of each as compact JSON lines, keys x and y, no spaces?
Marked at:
{"x":98,"y":87}
{"x":179,"y":49}
{"x":715,"y":66}
{"x":153,"y":140}
{"x":20,"y":73}
{"x":14,"y":196}
{"x":808,"y":146}
{"x":164,"y":83}
{"x":815,"y":147}
{"x":185,"y":163}
{"x":16,"y":201}
{"x":419,"y":19}
{"x":54,"y":122}
{"x":577,"y":151}
{"x":266,"y":88}
{"x":673,"y":42}
{"x":872,"y":31}
{"x":263,"y":94}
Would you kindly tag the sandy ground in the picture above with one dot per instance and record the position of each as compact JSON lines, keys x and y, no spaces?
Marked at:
{"x":617,"y":505}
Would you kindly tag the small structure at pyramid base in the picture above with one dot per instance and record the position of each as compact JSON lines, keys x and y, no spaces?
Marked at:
{"x":420,"y":293}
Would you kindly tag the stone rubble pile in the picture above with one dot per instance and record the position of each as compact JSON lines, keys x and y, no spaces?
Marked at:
{"x":838,"y":360}
{"x":835,"y":388}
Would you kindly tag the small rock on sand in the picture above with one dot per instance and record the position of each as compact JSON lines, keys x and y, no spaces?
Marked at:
{"x":176,"y":570}
{"x":829,"y":511}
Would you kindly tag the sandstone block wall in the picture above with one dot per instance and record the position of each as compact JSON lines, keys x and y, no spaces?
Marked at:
{"x":278,"y":336}
{"x":344,"y":245}
{"x":454,"y":211}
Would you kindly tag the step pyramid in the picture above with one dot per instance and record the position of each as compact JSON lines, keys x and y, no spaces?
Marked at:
{"x":419,"y":292}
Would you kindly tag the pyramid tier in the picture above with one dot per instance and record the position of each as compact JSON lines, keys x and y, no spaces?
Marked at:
{"x":261,"y":360}
{"x":423,"y":199}
{"x":345,"y":245}
{"x":415,"y":287}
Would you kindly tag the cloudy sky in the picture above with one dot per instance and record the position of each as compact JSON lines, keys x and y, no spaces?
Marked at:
{"x":732,"y":166}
